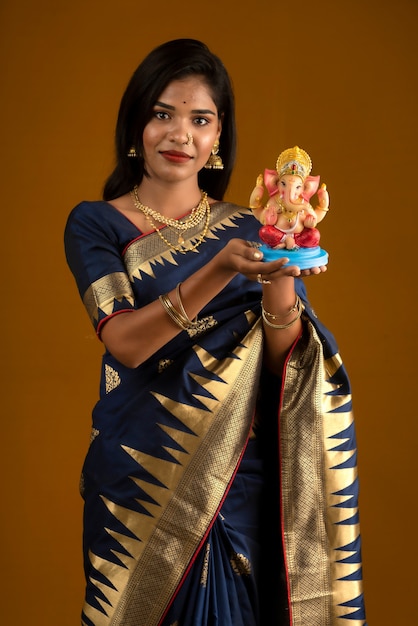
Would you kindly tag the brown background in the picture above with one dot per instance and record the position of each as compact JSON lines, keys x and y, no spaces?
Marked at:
{"x":337,"y":78}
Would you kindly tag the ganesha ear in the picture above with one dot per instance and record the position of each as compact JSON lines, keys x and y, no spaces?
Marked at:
{"x":270,"y":181}
{"x":310,"y":186}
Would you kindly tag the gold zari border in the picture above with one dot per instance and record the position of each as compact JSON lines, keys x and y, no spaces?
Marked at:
{"x":315,"y":527}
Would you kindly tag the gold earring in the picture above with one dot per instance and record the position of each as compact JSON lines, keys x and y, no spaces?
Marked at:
{"x":214,"y":162}
{"x":132,"y":152}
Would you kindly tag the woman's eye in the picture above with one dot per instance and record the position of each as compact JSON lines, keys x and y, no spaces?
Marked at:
{"x":161,"y":115}
{"x":200,"y":121}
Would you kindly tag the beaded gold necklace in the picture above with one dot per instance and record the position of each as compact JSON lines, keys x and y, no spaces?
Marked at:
{"x":287,"y":213}
{"x":180,"y":226}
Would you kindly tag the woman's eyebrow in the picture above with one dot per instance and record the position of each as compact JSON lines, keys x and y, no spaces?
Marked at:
{"x":198,"y":111}
{"x":165,"y":106}
{"x":204,"y":111}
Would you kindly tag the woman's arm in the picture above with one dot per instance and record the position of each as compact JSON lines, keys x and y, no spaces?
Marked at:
{"x":135,"y":336}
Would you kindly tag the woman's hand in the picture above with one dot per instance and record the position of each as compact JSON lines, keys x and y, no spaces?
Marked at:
{"x":133,"y":337}
{"x":279,"y":296}
{"x":246,"y":258}
{"x":314,"y":270}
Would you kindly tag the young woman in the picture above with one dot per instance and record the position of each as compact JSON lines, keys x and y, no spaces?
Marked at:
{"x":212,"y":494}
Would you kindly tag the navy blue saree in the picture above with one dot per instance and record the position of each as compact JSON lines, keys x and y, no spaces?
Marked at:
{"x":207,"y":501}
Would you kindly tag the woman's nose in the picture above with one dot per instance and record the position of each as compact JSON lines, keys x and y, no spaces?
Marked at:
{"x":180,"y":133}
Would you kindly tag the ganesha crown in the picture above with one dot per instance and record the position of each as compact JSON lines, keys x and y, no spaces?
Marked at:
{"x":294,"y":161}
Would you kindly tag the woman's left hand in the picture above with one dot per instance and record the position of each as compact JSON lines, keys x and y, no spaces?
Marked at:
{"x":314,"y":270}
{"x":272,"y":270}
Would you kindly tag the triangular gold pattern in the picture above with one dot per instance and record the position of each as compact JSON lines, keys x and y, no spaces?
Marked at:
{"x":166,"y":474}
{"x":142,"y":256}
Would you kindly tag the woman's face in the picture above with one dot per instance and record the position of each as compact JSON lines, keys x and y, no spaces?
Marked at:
{"x":184,"y":108}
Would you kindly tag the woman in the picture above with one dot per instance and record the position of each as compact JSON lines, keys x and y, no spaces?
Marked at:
{"x":206,"y":484}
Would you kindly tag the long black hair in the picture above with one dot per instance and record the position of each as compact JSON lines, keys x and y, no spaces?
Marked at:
{"x":170,"y":61}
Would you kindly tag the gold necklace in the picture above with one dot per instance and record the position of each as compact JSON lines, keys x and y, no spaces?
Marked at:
{"x":287,"y":213}
{"x":179,"y":247}
{"x":196,"y":214}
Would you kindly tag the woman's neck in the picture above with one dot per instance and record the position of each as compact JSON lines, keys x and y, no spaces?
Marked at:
{"x":171,"y":200}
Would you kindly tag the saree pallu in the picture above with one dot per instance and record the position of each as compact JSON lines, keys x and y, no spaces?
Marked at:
{"x":175,"y":444}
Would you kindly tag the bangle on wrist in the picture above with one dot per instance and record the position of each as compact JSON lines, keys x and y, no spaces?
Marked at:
{"x":297,"y":306}
{"x":180,"y":318}
{"x":294,"y":308}
{"x":192,"y":323}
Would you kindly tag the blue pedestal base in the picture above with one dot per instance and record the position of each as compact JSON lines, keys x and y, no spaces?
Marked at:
{"x":304,"y":258}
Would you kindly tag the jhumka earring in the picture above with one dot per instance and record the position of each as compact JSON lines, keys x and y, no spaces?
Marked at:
{"x":214,"y":162}
{"x":132,"y":152}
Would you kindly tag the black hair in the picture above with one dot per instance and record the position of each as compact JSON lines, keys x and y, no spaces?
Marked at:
{"x":170,"y":61}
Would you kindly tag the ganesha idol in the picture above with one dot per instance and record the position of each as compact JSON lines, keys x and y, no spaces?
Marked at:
{"x":288,"y":219}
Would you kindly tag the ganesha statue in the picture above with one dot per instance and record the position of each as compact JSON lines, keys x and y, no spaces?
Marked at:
{"x":289,"y":221}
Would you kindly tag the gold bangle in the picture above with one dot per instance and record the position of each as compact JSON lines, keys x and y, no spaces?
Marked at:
{"x":179,"y":317}
{"x":192,"y":323}
{"x":281,"y":326}
{"x":172,"y":312}
{"x":294,"y":308}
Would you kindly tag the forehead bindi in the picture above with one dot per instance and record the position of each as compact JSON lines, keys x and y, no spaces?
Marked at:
{"x":171,"y":107}
{"x":192,"y":92}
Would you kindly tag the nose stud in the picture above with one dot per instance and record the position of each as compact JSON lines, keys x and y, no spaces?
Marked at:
{"x":189,"y":139}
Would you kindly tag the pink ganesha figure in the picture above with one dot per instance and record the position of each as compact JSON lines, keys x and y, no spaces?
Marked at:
{"x":289,"y":220}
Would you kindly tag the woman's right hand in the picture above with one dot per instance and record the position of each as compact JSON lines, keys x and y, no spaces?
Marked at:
{"x":245,"y":257}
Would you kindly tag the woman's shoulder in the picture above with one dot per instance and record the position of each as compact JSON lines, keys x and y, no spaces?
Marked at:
{"x":94,"y":218}
{"x":99,"y":220}
{"x":89,"y":209}
{"x":97,"y":213}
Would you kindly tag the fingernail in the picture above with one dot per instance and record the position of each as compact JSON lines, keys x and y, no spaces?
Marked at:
{"x":258,"y":255}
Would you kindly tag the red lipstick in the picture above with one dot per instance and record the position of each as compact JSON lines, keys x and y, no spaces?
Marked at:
{"x":175,"y":157}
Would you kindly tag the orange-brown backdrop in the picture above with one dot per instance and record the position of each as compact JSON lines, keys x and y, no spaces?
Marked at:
{"x":337,"y":78}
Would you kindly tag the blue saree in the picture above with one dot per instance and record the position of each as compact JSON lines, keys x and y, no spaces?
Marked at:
{"x":207,"y":501}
